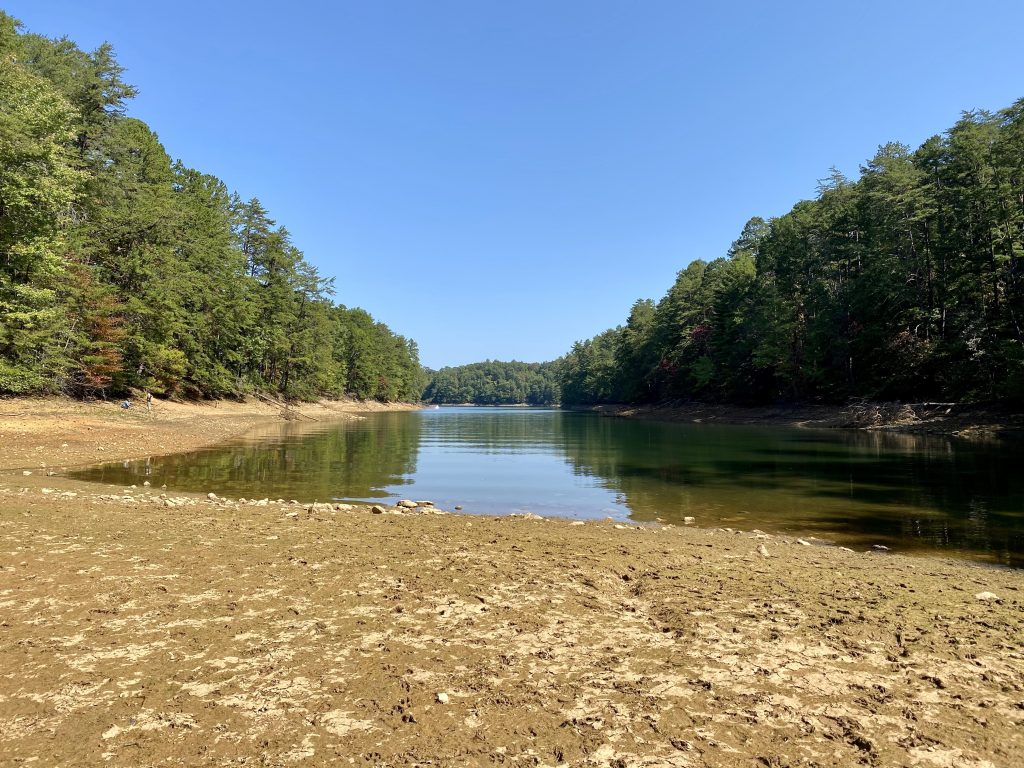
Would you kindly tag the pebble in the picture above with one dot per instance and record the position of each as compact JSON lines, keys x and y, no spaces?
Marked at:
{"x":442,"y":698}
{"x":377,"y":509}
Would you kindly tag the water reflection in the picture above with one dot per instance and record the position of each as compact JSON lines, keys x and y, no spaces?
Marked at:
{"x":858,"y":488}
{"x":293,"y":460}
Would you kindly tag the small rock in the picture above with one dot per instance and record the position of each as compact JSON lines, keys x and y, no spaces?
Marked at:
{"x":763,"y":550}
{"x":620,"y":527}
{"x":211,"y":496}
{"x":689,"y":520}
{"x":424,"y":503}
{"x":146,"y":484}
{"x":458,"y":506}
{"x":442,"y":698}
{"x":987,"y":597}
{"x":377,"y":509}
{"x":577,"y":522}
{"x":805,"y":543}
{"x":407,"y":504}
{"x":880,"y":547}
{"x":27,"y":472}
{"x":292,"y":515}
{"x":343,"y":507}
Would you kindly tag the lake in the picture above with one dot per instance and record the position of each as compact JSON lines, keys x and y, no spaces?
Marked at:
{"x":858,"y":489}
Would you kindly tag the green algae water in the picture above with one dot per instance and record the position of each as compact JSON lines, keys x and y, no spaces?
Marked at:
{"x":858,"y":489}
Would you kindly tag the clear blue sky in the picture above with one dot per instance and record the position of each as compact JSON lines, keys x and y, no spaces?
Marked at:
{"x":499,"y":179}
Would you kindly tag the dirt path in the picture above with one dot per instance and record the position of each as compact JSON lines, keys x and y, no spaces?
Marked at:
{"x":140,"y":629}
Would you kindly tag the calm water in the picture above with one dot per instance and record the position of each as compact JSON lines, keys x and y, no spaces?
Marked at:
{"x":858,"y":489}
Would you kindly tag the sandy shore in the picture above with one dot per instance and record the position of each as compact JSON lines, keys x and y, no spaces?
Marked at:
{"x":48,"y":433}
{"x":142,"y":629}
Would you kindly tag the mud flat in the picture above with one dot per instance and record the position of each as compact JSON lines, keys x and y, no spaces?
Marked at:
{"x":139,"y":627}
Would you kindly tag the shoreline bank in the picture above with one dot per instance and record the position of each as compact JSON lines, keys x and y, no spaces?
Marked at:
{"x":49,"y":433}
{"x":948,"y":419}
{"x":141,"y":627}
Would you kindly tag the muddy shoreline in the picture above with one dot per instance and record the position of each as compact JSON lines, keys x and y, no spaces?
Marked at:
{"x":138,"y":627}
{"x":950,"y":419}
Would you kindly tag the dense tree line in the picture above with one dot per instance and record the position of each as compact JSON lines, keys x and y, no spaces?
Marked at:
{"x":907,"y":283}
{"x":120,"y":268}
{"x":495,"y":383}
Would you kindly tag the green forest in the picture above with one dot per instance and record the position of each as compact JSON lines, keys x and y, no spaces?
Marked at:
{"x":905,"y":284}
{"x":495,"y":383}
{"x":123,"y":269}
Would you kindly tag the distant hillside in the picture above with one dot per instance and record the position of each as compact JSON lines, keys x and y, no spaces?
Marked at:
{"x":495,"y":383}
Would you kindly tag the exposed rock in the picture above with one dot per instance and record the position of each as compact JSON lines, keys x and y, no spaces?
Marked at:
{"x":987,"y":597}
{"x":407,"y":504}
{"x":211,"y":496}
{"x":442,"y":698}
{"x":688,"y":520}
{"x":377,"y":509}
{"x":763,"y":550}
{"x":343,"y":507}
{"x":805,"y":543}
{"x":424,"y":503}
